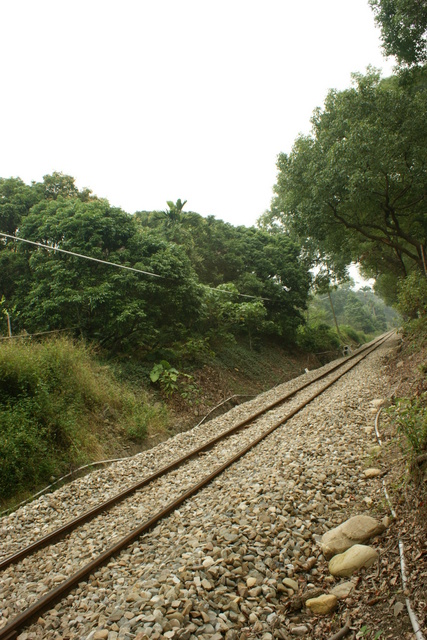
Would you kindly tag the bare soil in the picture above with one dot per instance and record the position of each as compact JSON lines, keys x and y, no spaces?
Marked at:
{"x":215,"y":388}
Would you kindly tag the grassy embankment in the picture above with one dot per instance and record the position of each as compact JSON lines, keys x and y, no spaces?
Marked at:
{"x":62,"y":406}
{"x":408,"y":411}
{"x":59,"y":409}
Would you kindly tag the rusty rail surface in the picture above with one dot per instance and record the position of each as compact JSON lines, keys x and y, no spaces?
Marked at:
{"x":10,"y":631}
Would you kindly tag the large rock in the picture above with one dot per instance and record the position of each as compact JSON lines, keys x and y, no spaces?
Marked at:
{"x":356,"y":530}
{"x":372,"y":472}
{"x":357,"y":557}
{"x":323,"y":604}
{"x":343,"y":590}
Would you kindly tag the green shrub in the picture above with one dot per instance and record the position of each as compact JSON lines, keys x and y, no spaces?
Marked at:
{"x":166,"y":375}
{"x":416,"y":332}
{"x":139,"y":416}
{"x":317,"y":338}
{"x":410,"y":417}
{"x":25,"y":456}
{"x":56,"y":404}
{"x":351,"y":335}
{"x":193,"y":350}
{"x":412,"y":295}
{"x":171,"y":380}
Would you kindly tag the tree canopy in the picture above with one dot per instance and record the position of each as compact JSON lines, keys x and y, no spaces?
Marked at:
{"x":212,"y":277}
{"x":403,"y":26}
{"x":257,"y":263}
{"x":355,"y":189}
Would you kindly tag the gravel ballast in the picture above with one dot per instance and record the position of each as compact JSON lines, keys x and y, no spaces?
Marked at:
{"x":236,"y":560}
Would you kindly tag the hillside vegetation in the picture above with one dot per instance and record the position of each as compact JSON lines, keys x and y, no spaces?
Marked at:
{"x":145,"y":355}
{"x":167,"y":302}
{"x":59,"y":408}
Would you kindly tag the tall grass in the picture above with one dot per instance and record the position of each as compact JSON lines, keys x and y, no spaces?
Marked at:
{"x":58,"y":406}
{"x":410,"y":414}
{"x":410,"y":417}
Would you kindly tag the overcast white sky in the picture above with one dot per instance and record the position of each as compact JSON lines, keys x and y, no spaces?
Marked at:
{"x":145,"y":101}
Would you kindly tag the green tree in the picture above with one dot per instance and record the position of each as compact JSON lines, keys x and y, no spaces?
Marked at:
{"x":16,"y":200}
{"x":173,"y":215}
{"x":403,"y":26}
{"x":412,"y":296}
{"x":113,"y":306}
{"x":121,"y":309}
{"x":228,"y":314}
{"x":59,"y":184}
{"x":361,"y":310}
{"x":355,"y":189}
{"x":258,"y":262}
{"x":324,"y":284}
{"x":251,"y":316}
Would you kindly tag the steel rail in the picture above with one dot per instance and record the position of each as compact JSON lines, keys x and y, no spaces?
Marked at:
{"x":62,"y":531}
{"x":10,"y":631}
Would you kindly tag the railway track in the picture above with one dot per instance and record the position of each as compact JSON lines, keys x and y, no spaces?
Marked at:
{"x":67,"y":555}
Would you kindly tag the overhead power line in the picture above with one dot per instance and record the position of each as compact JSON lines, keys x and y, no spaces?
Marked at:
{"x":39,"y":333}
{"x":119,"y":266}
{"x":80,"y":255}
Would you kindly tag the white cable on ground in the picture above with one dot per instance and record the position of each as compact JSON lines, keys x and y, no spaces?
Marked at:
{"x":72,"y":473}
{"x":220,"y":405}
{"x":393,"y":512}
{"x":377,"y":433}
{"x":100,"y":462}
{"x":237,"y":395}
{"x":413,"y":618}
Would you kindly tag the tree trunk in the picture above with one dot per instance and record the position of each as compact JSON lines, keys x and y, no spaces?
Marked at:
{"x":333,"y":313}
{"x":423,"y":256}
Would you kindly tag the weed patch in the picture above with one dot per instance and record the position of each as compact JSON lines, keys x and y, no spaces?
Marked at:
{"x":58,"y":407}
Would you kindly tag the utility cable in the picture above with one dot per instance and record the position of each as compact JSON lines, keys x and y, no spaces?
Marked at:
{"x":39,"y":333}
{"x":121,"y":266}
{"x":79,"y":255}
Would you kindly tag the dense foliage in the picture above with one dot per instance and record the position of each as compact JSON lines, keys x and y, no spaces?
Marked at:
{"x":239,"y":260}
{"x":404,"y":29}
{"x":50,"y":394}
{"x":362,"y":310}
{"x":356,"y":188}
{"x":208,"y":277}
{"x":342,"y":316}
{"x":410,"y":413}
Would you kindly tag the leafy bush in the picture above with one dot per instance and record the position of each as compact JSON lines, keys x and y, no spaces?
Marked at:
{"x":25,"y":455}
{"x":317,"y":338}
{"x":194,"y":349}
{"x":166,"y":375}
{"x":357,"y":337}
{"x":410,"y":417}
{"x":416,"y":332}
{"x":56,"y":402}
{"x":172,"y":380}
{"x":412,"y":295}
